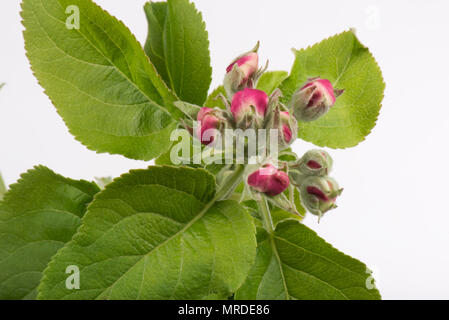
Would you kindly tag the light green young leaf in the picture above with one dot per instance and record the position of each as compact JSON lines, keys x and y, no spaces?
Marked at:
{"x":188,"y":109}
{"x":179,"y":47}
{"x":99,"y":78}
{"x":214,"y":102}
{"x":349,"y":65}
{"x":278,"y":214}
{"x":156,"y":234}
{"x":297,"y":264}
{"x":271,"y":80}
{"x":39,"y":214}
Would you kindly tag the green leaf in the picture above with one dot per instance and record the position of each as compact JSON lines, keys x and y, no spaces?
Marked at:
{"x":271,"y":80}
{"x":39,"y":214}
{"x":165,"y":158}
{"x":156,"y":234}
{"x":3,"y":188}
{"x":188,"y":109}
{"x":179,"y":47}
{"x":156,"y":13}
{"x":99,"y":79}
{"x":213,"y":102}
{"x":350,"y":66}
{"x":297,"y":264}
{"x":278,"y":214}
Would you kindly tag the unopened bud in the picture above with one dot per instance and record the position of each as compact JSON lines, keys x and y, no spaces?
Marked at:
{"x":210,"y":124}
{"x":269,"y":180}
{"x":319,"y":194}
{"x":315,"y":163}
{"x":240,"y":73}
{"x":313,"y":100}
{"x":249,"y":107}
{"x":288,"y":128}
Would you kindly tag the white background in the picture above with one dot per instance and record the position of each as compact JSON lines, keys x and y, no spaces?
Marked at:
{"x":394,"y":212}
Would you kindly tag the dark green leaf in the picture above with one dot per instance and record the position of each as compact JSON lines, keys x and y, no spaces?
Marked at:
{"x":296,"y":264}
{"x":39,"y":214}
{"x":157,"y":234}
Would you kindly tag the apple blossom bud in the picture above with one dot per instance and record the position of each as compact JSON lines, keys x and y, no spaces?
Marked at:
{"x":288,"y":128}
{"x":318,"y":194}
{"x":247,"y":63}
{"x":313,"y":100}
{"x":209,"y":124}
{"x":269,"y":180}
{"x":315,"y":163}
{"x":249,"y":107}
{"x":240,"y":73}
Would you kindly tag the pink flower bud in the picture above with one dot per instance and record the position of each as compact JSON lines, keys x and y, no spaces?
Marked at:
{"x":319,"y":194}
{"x":313,"y":100}
{"x":249,"y":107}
{"x":248,"y":64}
{"x":288,"y":126}
{"x":242,"y":72}
{"x":208,"y":124}
{"x":269,"y":180}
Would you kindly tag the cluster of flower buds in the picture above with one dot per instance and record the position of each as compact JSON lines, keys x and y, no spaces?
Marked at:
{"x":318,"y":191}
{"x":269,"y":180}
{"x":314,"y":100}
{"x":248,"y":108}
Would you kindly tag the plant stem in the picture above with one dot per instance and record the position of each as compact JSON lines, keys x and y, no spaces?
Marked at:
{"x":266,"y":215}
{"x":229,"y":184}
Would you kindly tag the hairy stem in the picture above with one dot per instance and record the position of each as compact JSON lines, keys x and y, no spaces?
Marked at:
{"x":230,"y":183}
{"x":266,"y":215}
